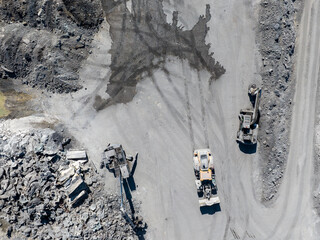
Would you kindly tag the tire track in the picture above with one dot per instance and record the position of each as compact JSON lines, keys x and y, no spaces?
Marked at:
{"x":225,"y":164}
{"x":203,"y":111}
{"x":188,"y":107}
{"x":226,"y":229}
{"x":177,"y":116}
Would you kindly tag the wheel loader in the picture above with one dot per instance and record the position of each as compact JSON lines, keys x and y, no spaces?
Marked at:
{"x":205,"y":177}
{"x":248,"y":127}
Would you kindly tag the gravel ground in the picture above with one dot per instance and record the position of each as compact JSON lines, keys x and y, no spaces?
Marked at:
{"x":278,"y":23}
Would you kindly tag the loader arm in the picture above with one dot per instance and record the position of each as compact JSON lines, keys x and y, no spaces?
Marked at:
{"x":256,"y":107}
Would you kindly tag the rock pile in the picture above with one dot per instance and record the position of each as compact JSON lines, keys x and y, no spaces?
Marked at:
{"x":277,"y":34}
{"x":43,"y":42}
{"x":35,"y":205}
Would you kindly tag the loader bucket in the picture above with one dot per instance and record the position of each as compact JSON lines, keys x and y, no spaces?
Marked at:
{"x":209,"y":202}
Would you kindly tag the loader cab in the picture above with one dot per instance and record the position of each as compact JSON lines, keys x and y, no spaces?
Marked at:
{"x":204,"y":163}
{"x":246,"y":121}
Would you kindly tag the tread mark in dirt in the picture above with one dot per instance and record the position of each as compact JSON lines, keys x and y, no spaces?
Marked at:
{"x":227,"y":228}
{"x":186,"y":93}
{"x":250,"y":235}
{"x":227,"y":187}
{"x":235,"y":235}
{"x":225,"y":190}
{"x":165,"y":70}
{"x":244,"y":196}
{"x":241,"y":165}
{"x":188,"y":106}
{"x":186,"y":99}
{"x":176,"y":115}
{"x":203,"y":112}
{"x":186,"y":90}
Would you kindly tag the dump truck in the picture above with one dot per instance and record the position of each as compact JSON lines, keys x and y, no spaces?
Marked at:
{"x":205,"y":177}
{"x":249,"y":118}
{"x":117,"y":162}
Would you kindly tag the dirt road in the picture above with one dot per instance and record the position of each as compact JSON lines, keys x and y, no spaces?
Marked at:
{"x":295,"y":202}
{"x":176,"y":110}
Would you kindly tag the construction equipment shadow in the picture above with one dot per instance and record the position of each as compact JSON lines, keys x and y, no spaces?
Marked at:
{"x":129,"y":186}
{"x":210,"y":210}
{"x":248,"y":149}
{"x":141,"y":232}
{"x":128,"y":194}
{"x":140,"y":227}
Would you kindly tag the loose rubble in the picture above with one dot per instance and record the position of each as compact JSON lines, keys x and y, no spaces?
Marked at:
{"x":276,"y":34}
{"x":44,"y":42}
{"x":38,"y":187}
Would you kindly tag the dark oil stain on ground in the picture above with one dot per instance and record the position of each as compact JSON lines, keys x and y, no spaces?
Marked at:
{"x":143,"y":37}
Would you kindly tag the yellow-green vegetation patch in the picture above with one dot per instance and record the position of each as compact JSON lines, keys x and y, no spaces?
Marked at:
{"x":3,"y":110}
{"x":18,"y":97}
